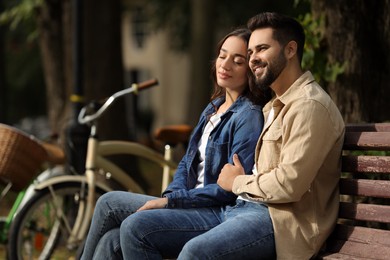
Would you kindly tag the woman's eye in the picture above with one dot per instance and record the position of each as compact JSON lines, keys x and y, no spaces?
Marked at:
{"x":239,"y":61}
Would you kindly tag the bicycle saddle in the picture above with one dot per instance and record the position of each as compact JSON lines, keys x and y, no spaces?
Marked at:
{"x":173,"y":134}
{"x":55,"y":153}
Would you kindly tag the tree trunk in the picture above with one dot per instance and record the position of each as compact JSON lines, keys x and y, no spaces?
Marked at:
{"x":103,"y":62}
{"x":101,"y":69}
{"x":52,"y":31}
{"x":104,"y":73}
{"x":202,"y":46}
{"x":3,"y":88}
{"x":358,"y":33}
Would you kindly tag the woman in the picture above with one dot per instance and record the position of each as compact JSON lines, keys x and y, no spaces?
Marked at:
{"x":230,"y":124}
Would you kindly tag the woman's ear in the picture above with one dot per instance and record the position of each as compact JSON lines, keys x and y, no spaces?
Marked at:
{"x":291,"y":49}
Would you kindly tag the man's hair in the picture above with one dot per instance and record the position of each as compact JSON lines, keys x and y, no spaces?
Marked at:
{"x":285,"y":29}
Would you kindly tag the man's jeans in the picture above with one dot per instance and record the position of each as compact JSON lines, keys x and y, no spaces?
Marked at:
{"x":242,"y":231}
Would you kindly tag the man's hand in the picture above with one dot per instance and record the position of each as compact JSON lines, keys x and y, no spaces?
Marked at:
{"x":154,"y":204}
{"x":229,"y":172}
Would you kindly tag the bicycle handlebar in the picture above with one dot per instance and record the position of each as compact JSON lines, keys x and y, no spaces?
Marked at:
{"x":135,"y":87}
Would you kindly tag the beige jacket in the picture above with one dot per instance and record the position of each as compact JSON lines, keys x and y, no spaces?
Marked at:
{"x":298,"y":161}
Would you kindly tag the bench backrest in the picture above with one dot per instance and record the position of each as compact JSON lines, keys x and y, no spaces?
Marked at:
{"x":364,"y":215}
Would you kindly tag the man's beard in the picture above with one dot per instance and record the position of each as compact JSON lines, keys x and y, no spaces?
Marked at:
{"x":275,"y":67}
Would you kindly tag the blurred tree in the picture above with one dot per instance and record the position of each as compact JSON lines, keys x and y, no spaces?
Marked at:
{"x":201,"y":53}
{"x":101,"y":51}
{"x":103,"y":61}
{"x":21,"y":70}
{"x":101,"y":68}
{"x":357,"y":33}
{"x":54,"y":29}
{"x":3,"y":89}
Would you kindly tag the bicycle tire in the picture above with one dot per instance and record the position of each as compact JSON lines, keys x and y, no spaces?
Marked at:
{"x":36,"y":232}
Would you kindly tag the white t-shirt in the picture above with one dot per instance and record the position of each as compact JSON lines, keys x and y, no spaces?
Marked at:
{"x":211,"y":124}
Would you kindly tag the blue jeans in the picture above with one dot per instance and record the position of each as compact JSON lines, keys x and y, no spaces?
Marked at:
{"x":241,"y":231}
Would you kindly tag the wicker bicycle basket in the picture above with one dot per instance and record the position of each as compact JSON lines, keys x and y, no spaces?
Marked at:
{"x":21,"y":156}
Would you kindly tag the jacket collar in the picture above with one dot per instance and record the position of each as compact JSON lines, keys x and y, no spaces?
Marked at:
{"x":291,"y":93}
{"x":233,"y":108}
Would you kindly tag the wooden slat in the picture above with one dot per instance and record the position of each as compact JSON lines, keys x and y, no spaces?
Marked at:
{"x":361,"y":187}
{"x":366,"y":163}
{"x":369,"y":238}
{"x":359,"y":250}
{"x":367,"y":141}
{"x":374,"y":127}
{"x":339,"y":256}
{"x":362,"y":235}
{"x":365,"y":212}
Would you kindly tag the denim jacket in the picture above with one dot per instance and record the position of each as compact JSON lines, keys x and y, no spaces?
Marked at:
{"x":237,"y":132}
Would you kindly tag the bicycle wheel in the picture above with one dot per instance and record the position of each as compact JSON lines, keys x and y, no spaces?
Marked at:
{"x":41,"y":228}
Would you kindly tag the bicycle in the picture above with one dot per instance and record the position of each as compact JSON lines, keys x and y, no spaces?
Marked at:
{"x":21,"y":157}
{"x":57,"y":217}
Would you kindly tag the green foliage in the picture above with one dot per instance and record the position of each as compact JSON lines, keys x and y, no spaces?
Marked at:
{"x":23,"y":68}
{"x":19,"y":11}
{"x":315,"y":58}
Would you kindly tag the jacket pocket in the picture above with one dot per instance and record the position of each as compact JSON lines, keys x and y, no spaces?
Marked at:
{"x":216,"y":157}
{"x":270,"y":149}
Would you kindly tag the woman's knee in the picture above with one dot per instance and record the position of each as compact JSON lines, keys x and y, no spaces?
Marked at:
{"x":142,"y":224}
{"x":132,"y":226}
{"x":193,"y":249}
{"x":107,"y":198}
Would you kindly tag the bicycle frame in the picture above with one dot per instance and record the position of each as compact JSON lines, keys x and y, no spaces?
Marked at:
{"x":96,"y":159}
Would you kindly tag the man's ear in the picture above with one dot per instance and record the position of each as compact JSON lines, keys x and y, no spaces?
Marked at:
{"x":291,"y":49}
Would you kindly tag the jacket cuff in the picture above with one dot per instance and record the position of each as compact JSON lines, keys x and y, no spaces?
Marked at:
{"x":172,"y":203}
{"x":239,"y":183}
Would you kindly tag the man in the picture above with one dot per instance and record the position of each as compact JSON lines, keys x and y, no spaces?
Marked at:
{"x":297,"y":161}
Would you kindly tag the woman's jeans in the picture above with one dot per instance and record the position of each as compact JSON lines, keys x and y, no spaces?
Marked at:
{"x":241,"y":231}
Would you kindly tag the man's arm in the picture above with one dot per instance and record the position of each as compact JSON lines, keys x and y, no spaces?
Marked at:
{"x":286,"y":173}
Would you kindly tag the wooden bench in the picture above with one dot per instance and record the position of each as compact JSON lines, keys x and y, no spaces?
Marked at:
{"x":363,"y":227}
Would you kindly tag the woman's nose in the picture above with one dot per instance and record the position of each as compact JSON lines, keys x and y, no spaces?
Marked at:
{"x":225,"y":64}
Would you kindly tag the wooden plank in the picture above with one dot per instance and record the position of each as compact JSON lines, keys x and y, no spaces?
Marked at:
{"x":365,"y":212}
{"x":362,"y":235}
{"x":371,"y":238}
{"x":361,"y":187}
{"x":367,"y":141}
{"x":339,"y":256}
{"x":359,"y":250}
{"x":371,"y":127}
{"x":366,"y":163}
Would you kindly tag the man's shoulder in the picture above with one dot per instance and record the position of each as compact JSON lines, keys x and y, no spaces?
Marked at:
{"x":309,"y":89}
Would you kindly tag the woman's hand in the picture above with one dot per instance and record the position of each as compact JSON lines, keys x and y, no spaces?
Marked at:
{"x":154,"y":204}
